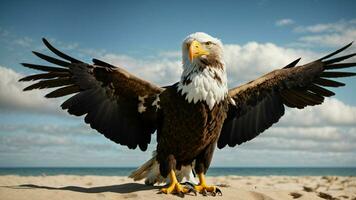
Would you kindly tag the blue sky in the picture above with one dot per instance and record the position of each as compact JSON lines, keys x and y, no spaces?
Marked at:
{"x":145,"y":38}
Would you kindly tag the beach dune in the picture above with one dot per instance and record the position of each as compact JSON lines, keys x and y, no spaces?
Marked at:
{"x":62,"y":187}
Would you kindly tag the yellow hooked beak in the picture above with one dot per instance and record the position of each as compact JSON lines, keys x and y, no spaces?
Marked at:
{"x":196,"y":50}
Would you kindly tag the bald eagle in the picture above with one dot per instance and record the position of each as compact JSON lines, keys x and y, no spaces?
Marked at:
{"x":192,"y":116}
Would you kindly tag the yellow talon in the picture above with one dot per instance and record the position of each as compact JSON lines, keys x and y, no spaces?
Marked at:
{"x":174,"y":187}
{"x":204,"y":188}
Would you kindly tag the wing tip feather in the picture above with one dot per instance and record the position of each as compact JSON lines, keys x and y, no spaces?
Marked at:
{"x":59,"y":53}
{"x":22,"y":79}
{"x":337,"y":51}
{"x":292,"y":64}
{"x":28,"y":88}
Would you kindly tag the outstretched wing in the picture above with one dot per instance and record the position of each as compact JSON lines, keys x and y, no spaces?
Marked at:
{"x":260,"y":103}
{"x":115,"y":102}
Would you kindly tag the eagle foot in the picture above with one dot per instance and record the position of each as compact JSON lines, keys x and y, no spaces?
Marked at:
{"x":208,"y":190}
{"x":204,"y":189}
{"x":177,"y":188}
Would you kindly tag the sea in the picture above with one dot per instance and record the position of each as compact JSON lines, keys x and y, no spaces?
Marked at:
{"x":214,"y":171}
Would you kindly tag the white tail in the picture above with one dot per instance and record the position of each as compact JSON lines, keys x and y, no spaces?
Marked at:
{"x":150,"y":171}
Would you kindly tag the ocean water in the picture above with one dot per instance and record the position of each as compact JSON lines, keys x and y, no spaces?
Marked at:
{"x":217,"y":171}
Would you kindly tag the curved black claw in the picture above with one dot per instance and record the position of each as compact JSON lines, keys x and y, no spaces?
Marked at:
{"x":218,"y":191}
{"x":204,"y":192}
{"x":180,"y":194}
{"x":193,"y":191}
{"x":190,"y":188}
{"x":213,"y":194}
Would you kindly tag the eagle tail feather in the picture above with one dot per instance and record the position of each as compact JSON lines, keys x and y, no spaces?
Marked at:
{"x":142,"y":172}
{"x":150,"y":172}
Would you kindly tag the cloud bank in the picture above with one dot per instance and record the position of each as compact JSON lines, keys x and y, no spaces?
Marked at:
{"x":13,"y":99}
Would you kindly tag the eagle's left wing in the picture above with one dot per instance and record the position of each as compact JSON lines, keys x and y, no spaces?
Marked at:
{"x":260,"y":103}
{"x":116,"y":103}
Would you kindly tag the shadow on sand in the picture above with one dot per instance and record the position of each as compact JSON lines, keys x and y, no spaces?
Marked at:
{"x":122,"y":189}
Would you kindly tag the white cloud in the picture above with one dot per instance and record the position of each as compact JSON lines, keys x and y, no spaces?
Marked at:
{"x":241,"y":157}
{"x":171,"y":54}
{"x":284,"y":22}
{"x":249,"y":61}
{"x":324,"y":134}
{"x":332,"y":39}
{"x":48,"y":129}
{"x":332,"y":112}
{"x":321,"y":139}
{"x":328,"y":34}
{"x":12,"y":98}
{"x":62,"y":145}
{"x":161,"y":71}
{"x":339,"y":26}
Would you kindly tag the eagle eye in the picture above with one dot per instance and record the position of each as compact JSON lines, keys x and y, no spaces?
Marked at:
{"x":208,"y":43}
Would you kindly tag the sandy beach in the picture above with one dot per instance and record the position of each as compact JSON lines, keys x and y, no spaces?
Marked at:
{"x":233,"y":187}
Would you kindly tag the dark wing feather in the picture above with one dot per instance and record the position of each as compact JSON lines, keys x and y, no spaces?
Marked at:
{"x":48,"y":75}
{"x":45,"y":68}
{"x":107,"y":95}
{"x":260,"y":103}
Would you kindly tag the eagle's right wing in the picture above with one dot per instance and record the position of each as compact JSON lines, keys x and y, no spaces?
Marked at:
{"x":260,"y":103}
{"x":116,"y":103}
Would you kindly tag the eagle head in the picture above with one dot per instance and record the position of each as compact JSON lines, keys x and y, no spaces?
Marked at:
{"x":204,"y":77}
{"x":202,"y":50}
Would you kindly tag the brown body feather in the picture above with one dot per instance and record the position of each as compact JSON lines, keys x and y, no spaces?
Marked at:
{"x":185,"y":129}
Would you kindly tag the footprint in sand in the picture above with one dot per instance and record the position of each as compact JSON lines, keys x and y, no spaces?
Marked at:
{"x":295,"y":195}
{"x":308,"y":189}
{"x":326,"y":196}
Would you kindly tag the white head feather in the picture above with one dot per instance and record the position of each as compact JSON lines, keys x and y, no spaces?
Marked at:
{"x":203,"y":84}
